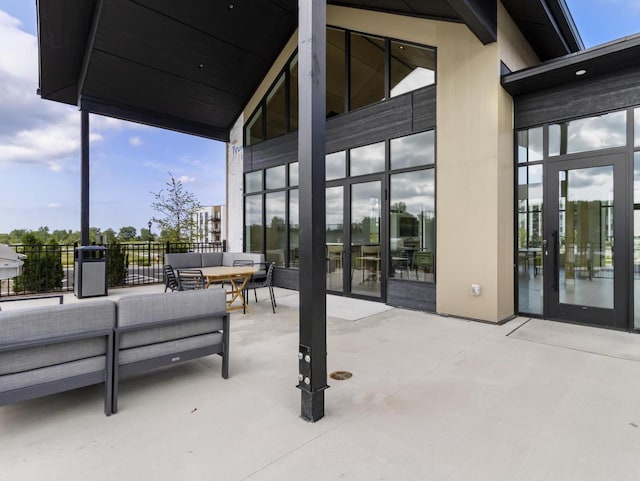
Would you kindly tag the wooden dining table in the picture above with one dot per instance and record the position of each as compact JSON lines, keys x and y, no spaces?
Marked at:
{"x":237,"y":276}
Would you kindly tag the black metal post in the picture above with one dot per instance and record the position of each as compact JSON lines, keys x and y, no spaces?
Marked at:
{"x":84,"y":178}
{"x":312,"y":354}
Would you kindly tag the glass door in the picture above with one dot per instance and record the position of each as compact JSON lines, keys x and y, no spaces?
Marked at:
{"x":585,"y":247}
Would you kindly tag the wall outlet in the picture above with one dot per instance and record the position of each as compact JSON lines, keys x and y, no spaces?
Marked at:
{"x":475,"y":289}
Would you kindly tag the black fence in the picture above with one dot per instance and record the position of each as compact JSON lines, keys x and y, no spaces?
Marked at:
{"x":51,"y":268}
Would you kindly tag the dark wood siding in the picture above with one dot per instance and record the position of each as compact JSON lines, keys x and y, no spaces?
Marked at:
{"x":286,"y":278}
{"x":411,"y":295}
{"x":591,"y":96}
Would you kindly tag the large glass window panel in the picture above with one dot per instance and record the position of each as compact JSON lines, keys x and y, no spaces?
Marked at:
{"x":294,"y":229}
{"x":636,"y":127}
{"x":523,"y":141}
{"x":277,"y":109}
{"x":253,"y":223}
{"x":530,"y":239}
{"x":293,"y":174}
{"x":253,"y":181}
{"x":336,"y":165}
{"x":412,"y":67}
{"x":412,"y":226}
{"x":293,"y":94}
{"x":365,"y":238}
{"x":335,"y":237}
{"x":413,"y":150}
{"x":593,"y":133}
{"x":367,"y":70}
{"x":276,"y":177}
{"x":336,"y":80}
{"x":253,"y":130}
{"x":367,"y":160}
{"x":636,"y":239}
{"x":275,"y":215}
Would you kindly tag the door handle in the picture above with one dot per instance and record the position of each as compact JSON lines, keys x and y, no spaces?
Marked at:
{"x":556,"y":274}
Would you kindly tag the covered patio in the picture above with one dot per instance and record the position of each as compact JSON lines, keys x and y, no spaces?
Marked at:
{"x":461,"y":400}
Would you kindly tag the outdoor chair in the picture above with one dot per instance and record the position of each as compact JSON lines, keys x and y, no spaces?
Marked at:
{"x":190,"y":279}
{"x":170,"y":280}
{"x":423,"y":260}
{"x":266,"y":281}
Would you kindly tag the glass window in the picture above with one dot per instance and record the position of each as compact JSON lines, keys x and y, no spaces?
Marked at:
{"x":367,"y":70}
{"x":593,"y":133}
{"x":276,"y":117}
{"x":530,"y":239}
{"x":412,"y":67}
{"x":253,"y":181}
{"x":335,"y":237}
{"x":336,"y":165}
{"x":413,"y":150}
{"x":636,"y":238}
{"x":293,"y":174}
{"x":253,"y":223}
{"x":253,"y":130}
{"x":293,"y":94}
{"x":294,"y":229}
{"x":412,"y":225}
{"x":276,"y":177}
{"x":366,"y":205}
{"x":530,"y":145}
{"x":275,"y":214}
{"x":636,"y":129}
{"x":522,"y":146}
{"x":367,"y":160}
{"x":335,"y":72}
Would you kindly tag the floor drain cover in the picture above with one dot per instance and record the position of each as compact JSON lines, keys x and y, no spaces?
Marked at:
{"x":340,"y":375}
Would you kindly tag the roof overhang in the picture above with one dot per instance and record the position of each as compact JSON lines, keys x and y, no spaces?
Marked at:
{"x":192,"y":66}
{"x":603,"y":59}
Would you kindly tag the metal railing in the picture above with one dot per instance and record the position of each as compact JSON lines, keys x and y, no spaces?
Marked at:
{"x":50,"y":268}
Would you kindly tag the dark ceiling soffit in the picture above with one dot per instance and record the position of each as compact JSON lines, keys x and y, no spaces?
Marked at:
{"x":562,"y":11}
{"x":556,"y":27}
{"x":481,"y":16}
{"x":153,"y":119}
{"x":403,"y":13}
{"x":89,"y":47}
{"x":548,"y":74}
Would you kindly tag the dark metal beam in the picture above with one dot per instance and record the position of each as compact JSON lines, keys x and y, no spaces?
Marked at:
{"x":481,"y":16}
{"x":84,"y":177}
{"x":311,"y":151}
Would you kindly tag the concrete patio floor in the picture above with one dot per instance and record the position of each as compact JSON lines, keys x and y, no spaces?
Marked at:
{"x":431,"y":398}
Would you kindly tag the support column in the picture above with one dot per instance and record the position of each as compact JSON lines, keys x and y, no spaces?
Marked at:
{"x":84,"y":178}
{"x":311,"y":151}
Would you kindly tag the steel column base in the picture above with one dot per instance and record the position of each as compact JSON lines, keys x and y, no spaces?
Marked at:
{"x":312,"y":405}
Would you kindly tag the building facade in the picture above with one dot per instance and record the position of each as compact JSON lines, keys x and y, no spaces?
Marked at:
{"x":210,"y":224}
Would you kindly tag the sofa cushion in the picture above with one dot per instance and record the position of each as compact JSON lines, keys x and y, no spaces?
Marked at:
{"x":229,"y":257}
{"x":211,"y":259}
{"x":38,"y":323}
{"x":170,"y":332}
{"x":10,"y":382}
{"x":135,"y":354}
{"x":187,"y":260}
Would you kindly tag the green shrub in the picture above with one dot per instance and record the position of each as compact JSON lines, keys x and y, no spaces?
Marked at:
{"x":117,"y":264}
{"x":42,"y":270}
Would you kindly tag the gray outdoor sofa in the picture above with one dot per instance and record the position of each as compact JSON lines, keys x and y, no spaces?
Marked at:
{"x":194,"y":260}
{"x":46,"y":350}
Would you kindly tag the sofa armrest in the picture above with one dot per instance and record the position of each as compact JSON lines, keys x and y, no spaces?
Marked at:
{"x":58,"y":340}
{"x":149,"y":325}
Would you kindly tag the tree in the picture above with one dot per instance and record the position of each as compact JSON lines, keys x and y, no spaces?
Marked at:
{"x":42,"y":269}
{"x":176,"y":207}
{"x":127,"y":234}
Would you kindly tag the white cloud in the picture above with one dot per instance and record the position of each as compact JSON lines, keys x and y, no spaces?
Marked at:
{"x":135,"y":141}
{"x":185,"y":179}
{"x":54,"y":205}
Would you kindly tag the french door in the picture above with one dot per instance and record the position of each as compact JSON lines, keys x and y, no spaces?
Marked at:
{"x":585,"y":246}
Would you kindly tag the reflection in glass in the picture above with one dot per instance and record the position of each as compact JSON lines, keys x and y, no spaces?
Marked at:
{"x":293,"y":174}
{"x":253,"y":181}
{"x":275,"y":227}
{"x":593,"y":133}
{"x":275,"y":177}
{"x":253,"y":223}
{"x":276,"y":117}
{"x":636,"y":239}
{"x":336,"y":165}
{"x":366,"y":160}
{"x":586,"y":237}
{"x":365,"y":238}
{"x":293,"y":94}
{"x":530,"y":145}
{"x":413,"y":150}
{"x":530,"y":269}
{"x":523,"y":140}
{"x":335,"y":72}
{"x":294,"y":229}
{"x":636,"y":126}
{"x":412,"y":226}
{"x":335,"y":237}
{"x":253,"y":130}
{"x":412,"y":67}
{"x":367,"y":70}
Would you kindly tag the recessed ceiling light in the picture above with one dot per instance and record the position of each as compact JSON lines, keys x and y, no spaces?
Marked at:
{"x":580,"y":72}
{"x":201,"y":65}
{"x":230,"y":6}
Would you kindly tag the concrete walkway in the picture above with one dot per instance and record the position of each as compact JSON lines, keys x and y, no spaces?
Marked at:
{"x":431,"y":398}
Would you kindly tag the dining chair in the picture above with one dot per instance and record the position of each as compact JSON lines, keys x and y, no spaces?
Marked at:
{"x":423,"y":260}
{"x":169,"y":277}
{"x":190,"y":279}
{"x":267,"y":282}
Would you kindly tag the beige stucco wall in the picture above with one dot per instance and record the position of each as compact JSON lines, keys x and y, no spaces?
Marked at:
{"x":474,"y":153}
